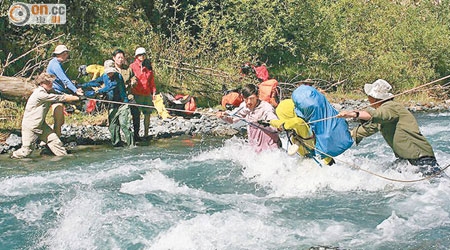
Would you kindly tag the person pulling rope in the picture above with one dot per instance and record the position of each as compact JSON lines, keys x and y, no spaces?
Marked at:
{"x":391,"y":97}
{"x":354,"y":166}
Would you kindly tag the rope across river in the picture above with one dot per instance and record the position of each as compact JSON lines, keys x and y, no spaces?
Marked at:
{"x":352,"y":165}
{"x":396,"y":95}
{"x":310,"y":122}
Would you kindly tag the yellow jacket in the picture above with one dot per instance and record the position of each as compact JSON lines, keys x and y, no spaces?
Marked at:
{"x":290,"y":121}
{"x":96,"y":70}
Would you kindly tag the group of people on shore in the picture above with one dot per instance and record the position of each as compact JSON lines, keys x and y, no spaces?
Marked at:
{"x":317,"y":129}
{"x":116,"y":81}
{"x":314,"y":127}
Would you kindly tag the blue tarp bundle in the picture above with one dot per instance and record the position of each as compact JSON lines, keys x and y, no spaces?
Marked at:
{"x":332,"y":135}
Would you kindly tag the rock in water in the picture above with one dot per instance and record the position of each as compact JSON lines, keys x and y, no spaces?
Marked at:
{"x":224,"y":131}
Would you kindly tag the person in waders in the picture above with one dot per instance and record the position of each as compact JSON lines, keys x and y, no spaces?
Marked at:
{"x":34,"y":126}
{"x":123,"y":69}
{"x":118,"y":114}
{"x":397,"y":125}
{"x":254,"y":110}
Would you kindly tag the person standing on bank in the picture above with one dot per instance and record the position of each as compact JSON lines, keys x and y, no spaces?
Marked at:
{"x":142,"y":89}
{"x":62,"y":84}
{"x":33,"y":124}
{"x":397,"y":125}
{"x":118,"y":114}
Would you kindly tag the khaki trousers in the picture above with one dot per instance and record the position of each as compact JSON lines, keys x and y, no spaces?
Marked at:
{"x":45,"y":134}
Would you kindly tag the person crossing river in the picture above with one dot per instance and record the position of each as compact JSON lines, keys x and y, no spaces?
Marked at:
{"x":397,"y":125}
{"x":254,"y":110}
{"x":331,"y":136}
{"x":300,"y":134}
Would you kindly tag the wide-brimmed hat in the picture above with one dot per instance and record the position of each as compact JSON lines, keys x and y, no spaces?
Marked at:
{"x":109,"y":70}
{"x":379,"y":89}
{"x":108,"y":63}
{"x":140,"y":51}
{"x":60,"y":49}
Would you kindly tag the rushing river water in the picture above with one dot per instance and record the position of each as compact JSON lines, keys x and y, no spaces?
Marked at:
{"x":209,"y":193}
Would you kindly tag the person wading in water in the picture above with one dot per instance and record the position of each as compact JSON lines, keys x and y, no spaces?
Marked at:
{"x":397,"y":125}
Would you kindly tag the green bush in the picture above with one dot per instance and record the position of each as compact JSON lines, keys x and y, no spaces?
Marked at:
{"x":404,"y":42}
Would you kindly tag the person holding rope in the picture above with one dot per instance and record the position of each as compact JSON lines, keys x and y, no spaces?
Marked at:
{"x":331,"y":135}
{"x":299,"y":133}
{"x":34,"y":126}
{"x":253,"y":110}
{"x":61,"y":85}
{"x":397,"y":125}
{"x":118,"y":114}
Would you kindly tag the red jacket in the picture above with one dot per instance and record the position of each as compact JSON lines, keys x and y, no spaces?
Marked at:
{"x":145,"y":79}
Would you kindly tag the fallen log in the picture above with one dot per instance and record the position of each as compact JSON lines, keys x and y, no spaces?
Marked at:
{"x":15,"y":89}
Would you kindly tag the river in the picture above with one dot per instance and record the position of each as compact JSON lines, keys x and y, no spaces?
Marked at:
{"x":213,"y":193}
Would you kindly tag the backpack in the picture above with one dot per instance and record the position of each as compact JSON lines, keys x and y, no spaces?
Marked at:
{"x":189,"y":103}
{"x":269,"y":92}
{"x":182,"y":102}
{"x":261,"y":72}
{"x":232,"y":100}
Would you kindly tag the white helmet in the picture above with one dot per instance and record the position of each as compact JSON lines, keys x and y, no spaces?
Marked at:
{"x":140,"y":51}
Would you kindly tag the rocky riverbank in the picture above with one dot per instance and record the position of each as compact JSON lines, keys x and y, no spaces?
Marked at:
{"x":205,"y":125}
{"x":93,"y":135}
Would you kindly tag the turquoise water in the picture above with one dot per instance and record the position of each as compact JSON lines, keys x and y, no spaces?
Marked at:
{"x":209,"y":193}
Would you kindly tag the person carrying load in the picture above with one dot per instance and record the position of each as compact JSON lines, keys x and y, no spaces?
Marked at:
{"x":397,"y":125}
{"x":94,"y":69}
{"x":332,"y":137}
{"x":268,"y":88}
{"x":98,"y":85}
{"x":34,"y":126}
{"x":302,"y":138}
{"x":253,"y":110}
{"x":268,"y":91}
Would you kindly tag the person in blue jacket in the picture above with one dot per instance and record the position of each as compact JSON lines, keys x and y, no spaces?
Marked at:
{"x":61,"y":85}
{"x":119,"y":115}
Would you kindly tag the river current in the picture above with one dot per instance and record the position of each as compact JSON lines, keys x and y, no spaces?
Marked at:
{"x":210,"y":193}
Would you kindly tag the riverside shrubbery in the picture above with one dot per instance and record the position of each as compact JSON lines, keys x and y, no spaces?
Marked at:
{"x":404,"y":42}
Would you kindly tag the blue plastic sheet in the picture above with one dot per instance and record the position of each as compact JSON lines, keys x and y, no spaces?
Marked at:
{"x":332,"y":135}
